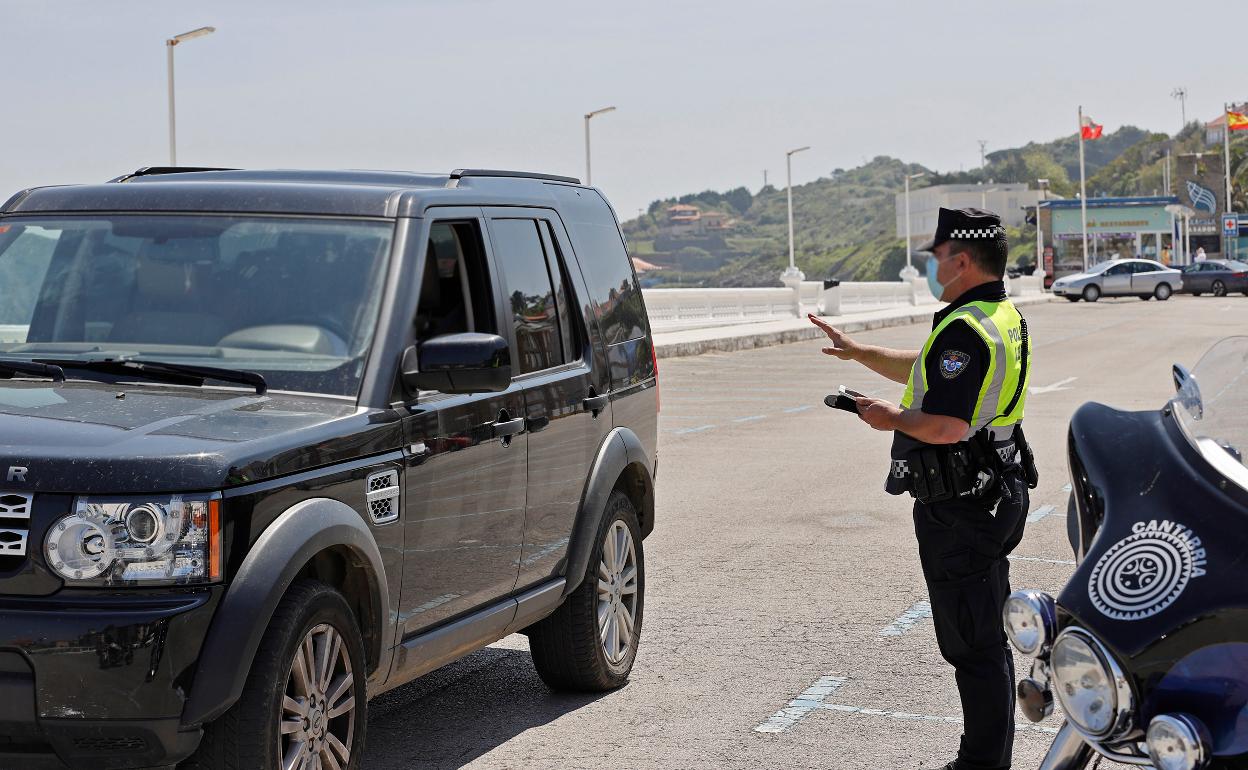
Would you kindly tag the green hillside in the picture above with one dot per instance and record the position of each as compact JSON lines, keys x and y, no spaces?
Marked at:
{"x":844,"y":222}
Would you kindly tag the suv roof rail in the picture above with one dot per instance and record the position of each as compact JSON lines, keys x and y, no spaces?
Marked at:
{"x":158,"y":170}
{"x":460,"y":173}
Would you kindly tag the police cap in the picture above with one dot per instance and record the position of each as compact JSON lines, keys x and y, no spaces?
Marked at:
{"x":965,"y":225}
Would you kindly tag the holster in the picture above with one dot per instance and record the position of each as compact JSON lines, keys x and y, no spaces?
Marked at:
{"x":969,"y":469}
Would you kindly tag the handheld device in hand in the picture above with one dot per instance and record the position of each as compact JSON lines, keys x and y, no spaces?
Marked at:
{"x":844,"y":399}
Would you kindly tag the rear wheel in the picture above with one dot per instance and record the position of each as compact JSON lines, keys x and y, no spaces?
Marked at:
{"x":304,"y":706}
{"x":590,"y":642}
{"x":1091,"y":292}
{"x":1219,"y":289}
{"x":1163,"y":291}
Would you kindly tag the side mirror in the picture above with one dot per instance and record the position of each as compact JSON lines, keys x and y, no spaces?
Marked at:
{"x":1180,"y":375}
{"x":459,"y":363}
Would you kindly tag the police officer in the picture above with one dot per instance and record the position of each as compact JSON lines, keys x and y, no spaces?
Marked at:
{"x":958,"y":448}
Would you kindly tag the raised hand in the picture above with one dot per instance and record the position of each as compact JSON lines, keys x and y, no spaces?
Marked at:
{"x":842,"y":346}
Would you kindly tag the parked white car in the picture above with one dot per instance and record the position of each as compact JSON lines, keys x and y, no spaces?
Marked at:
{"x":1143,"y":278}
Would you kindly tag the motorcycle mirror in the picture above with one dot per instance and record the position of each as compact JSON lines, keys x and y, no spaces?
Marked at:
{"x":1181,"y":375}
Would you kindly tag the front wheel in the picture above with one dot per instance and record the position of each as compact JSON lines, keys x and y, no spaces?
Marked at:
{"x":304,"y":706}
{"x":1163,"y":292}
{"x":590,"y":643}
{"x":1091,"y":293}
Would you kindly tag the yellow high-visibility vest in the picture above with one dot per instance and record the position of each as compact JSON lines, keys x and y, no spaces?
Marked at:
{"x":1001,"y":327}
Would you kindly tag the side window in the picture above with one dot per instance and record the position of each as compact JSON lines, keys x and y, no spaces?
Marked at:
{"x":530,"y":293}
{"x":1119,"y":270}
{"x":565,"y":297}
{"x":604,"y":262}
{"x":455,"y":286}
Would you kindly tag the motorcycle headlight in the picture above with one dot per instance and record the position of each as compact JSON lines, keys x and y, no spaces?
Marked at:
{"x":1030,"y":619}
{"x":1090,"y":686}
{"x":112,"y":541}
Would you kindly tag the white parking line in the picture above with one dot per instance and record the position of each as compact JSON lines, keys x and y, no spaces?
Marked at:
{"x":796,"y":409}
{"x":1043,"y":561}
{"x":906,"y":717}
{"x":1061,"y":385}
{"x":698,"y":429}
{"x":802,"y":705}
{"x":751,"y":418}
{"x":909,"y":619}
{"x":1040,"y":513}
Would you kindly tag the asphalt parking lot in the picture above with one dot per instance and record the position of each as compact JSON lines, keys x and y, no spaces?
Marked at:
{"x":779,"y":571}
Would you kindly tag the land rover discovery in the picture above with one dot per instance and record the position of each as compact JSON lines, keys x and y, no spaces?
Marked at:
{"x":275,"y":442}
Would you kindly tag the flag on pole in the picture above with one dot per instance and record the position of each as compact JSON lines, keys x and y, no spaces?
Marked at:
{"x":1236,"y":121}
{"x":1089,"y":129}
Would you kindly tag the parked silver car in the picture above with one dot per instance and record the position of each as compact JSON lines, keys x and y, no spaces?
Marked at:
{"x":1143,"y":278}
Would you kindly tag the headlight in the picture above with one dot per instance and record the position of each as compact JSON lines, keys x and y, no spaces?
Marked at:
{"x":109,"y":541}
{"x":1090,"y":686}
{"x":1030,"y":619}
{"x":1178,"y":742}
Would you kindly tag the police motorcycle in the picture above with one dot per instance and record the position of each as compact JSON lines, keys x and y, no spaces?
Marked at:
{"x":1146,"y":648}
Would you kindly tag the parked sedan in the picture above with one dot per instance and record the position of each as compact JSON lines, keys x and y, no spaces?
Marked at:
{"x":1142,"y":278}
{"x":1218,"y":277}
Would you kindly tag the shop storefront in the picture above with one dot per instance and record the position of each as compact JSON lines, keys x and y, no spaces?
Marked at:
{"x":1118,"y":228}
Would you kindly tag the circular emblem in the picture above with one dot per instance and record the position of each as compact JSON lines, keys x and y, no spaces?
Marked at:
{"x":1141,"y":575}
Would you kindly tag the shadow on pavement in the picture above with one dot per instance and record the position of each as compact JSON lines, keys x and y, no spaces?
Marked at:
{"x":454,"y":715}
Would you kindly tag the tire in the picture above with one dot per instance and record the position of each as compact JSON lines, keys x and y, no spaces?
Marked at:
{"x":1146,"y":297}
{"x":1198,"y":293}
{"x":1091,"y":293}
{"x":248,"y":737}
{"x":1073,"y":299}
{"x":1162,"y":292}
{"x":1219,"y":289}
{"x":569,"y":651}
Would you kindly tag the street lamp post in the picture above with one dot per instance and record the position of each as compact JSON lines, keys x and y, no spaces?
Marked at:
{"x":588,"y":115}
{"x":169,"y":44}
{"x":908,"y":177}
{"x":1043,"y":184}
{"x":792,"y":272}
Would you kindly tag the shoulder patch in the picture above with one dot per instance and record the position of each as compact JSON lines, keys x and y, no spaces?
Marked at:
{"x":953,"y":363}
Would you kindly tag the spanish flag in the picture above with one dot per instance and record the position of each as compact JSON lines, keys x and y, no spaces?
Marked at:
{"x":1236,"y":121}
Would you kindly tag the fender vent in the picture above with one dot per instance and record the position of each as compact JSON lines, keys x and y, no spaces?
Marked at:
{"x":14,"y":515}
{"x":382,"y":494}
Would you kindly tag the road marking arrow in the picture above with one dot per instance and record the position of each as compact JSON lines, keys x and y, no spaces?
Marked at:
{"x":1062,"y":385}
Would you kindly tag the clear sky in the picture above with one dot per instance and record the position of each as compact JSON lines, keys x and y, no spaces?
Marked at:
{"x":709,"y":93}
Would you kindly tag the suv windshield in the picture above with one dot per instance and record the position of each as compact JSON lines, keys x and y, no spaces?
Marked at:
{"x":1213,"y":405}
{"x":293,"y":299}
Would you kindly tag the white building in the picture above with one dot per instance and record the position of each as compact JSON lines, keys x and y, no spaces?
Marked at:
{"x":1009,"y":200}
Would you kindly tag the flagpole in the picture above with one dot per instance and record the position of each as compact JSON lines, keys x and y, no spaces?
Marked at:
{"x":1083,"y":192}
{"x":1226,"y":146}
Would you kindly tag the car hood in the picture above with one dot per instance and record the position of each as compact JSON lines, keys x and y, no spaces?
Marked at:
{"x":93,"y":438}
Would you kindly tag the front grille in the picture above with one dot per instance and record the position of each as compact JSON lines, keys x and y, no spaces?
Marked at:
{"x":382,"y":494}
{"x":15,"y":510}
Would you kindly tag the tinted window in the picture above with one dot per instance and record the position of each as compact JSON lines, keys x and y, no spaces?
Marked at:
{"x":604,"y":262}
{"x":1238,"y":267}
{"x":293,"y":299}
{"x":455,"y":287}
{"x":565,"y":297}
{"x":530,"y":296}
{"x":1119,"y":270}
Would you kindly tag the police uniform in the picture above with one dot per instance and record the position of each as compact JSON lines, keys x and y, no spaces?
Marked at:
{"x":971,"y":497}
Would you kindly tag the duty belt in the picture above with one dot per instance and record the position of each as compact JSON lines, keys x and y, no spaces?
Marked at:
{"x":1006,"y":450}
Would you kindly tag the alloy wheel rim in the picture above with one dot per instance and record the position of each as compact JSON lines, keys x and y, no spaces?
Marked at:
{"x":617,"y":593}
{"x":317,"y":721}
{"x":1219,"y":289}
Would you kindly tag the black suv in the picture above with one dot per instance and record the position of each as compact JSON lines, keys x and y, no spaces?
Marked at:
{"x":275,"y":442}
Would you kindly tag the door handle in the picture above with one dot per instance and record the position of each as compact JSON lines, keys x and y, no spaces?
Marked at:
{"x":595,"y":404}
{"x":505,"y":429}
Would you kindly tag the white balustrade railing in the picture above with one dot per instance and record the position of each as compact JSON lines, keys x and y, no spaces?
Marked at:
{"x":681,"y":309}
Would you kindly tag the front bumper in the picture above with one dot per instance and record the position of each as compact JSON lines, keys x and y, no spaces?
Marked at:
{"x":99,"y":679}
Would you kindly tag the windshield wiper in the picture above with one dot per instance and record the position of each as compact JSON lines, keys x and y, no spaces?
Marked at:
{"x":38,"y":369}
{"x":176,"y":374}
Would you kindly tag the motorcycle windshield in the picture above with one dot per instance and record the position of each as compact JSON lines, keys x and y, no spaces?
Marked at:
{"x":1212,"y":407}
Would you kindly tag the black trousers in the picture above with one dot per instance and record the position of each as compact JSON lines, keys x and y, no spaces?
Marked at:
{"x":963,"y":545}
